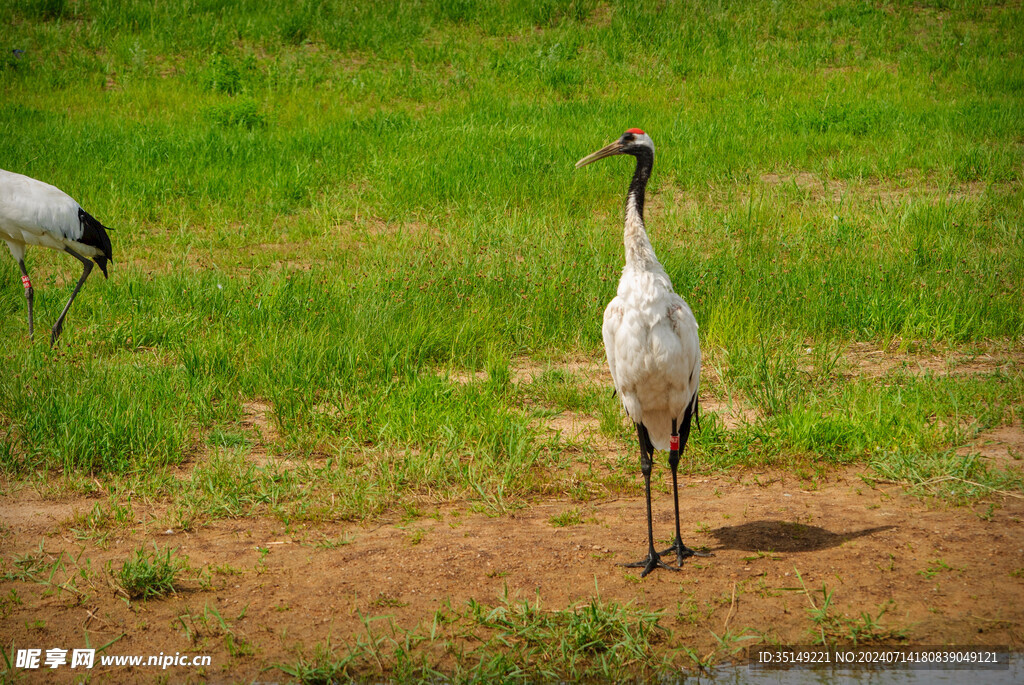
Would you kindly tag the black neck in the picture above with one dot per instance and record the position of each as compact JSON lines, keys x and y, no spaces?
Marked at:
{"x":638,"y":186}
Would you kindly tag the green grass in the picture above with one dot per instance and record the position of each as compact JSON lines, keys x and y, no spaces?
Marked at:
{"x":340,"y":210}
{"x":204,"y":629}
{"x":510,"y":642}
{"x":149,"y":575}
{"x":569,"y":517}
{"x":830,"y":629}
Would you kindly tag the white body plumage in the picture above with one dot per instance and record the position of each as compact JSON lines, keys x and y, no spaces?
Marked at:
{"x":651,"y":341}
{"x":37,"y":213}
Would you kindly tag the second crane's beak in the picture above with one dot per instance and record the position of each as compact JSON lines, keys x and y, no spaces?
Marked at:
{"x":607,"y":151}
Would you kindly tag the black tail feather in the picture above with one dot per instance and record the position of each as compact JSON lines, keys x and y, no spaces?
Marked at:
{"x":95,"y":235}
{"x":645,"y":437}
{"x":690,"y":414}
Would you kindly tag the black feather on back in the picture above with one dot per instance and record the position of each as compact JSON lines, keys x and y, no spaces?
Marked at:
{"x":691,"y":413}
{"x":95,"y":235}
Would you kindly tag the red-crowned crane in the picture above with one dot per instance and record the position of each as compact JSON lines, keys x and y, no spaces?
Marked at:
{"x":36,"y":213}
{"x":650,"y":337}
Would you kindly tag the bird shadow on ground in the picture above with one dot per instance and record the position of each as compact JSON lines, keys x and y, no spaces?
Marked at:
{"x":784,"y":536}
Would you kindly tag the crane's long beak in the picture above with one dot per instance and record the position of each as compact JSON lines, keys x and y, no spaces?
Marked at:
{"x":607,"y":151}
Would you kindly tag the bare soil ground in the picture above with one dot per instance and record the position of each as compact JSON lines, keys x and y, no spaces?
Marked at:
{"x":899,"y":568}
{"x":945,"y":575}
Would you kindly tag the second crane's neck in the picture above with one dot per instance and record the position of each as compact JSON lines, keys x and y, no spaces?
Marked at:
{"x":639,"y":253}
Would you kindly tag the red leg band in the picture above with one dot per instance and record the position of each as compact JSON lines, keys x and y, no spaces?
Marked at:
{"x":25,"y":282}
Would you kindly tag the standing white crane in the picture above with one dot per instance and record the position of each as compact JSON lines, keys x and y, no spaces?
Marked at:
{"x":650,"y":337}
{"x":36,"y":213}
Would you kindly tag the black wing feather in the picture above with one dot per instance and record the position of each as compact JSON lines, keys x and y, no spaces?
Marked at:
{"x":95,"y":235}
{"x":691,"y":413}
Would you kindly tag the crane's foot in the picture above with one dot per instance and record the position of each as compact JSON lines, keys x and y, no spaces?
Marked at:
{"x":649,"y":563}
{"x":683,"y":552}
{"x":55,"y":333}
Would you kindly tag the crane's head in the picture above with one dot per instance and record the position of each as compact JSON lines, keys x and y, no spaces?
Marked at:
{"x":633,"y":142}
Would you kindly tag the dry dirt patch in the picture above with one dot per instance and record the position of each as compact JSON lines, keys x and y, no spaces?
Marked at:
{"x":1003,"y":447}
{"x":944,"y":575}
{"x":524,"y":370}
{"x":818,"y":187}
{"x":573,"y":426}
{"x":812,"y":184}
{"x":869,"y":360}
{"x":732,"y":413}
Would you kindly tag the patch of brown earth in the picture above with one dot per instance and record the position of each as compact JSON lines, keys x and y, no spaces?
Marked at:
{"x":28,"y":513}
{"x":730,"y":412}
{"x":912,"y":186}
{"x":573,"y":426}
{"x":944,"y":575}
{"x":867,"y":359}
{"x":1002,"y":447}
{"x":526,"y":371}
{"x":258,"y":422}
{"x":256,"y":418}
{"x":587,"y":370}
{"x":600,"y":16}
{"x":812,"y":184}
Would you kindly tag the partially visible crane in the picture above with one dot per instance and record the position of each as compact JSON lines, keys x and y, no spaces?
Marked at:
{"x":36,"y":213}
{"x":650,"y":338}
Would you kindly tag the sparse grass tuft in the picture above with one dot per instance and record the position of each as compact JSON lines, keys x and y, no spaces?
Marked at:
{"x":513,"y":641}
{"x":148,"y":575}
{"x":569,"y":517}
{"x":830,"y":629}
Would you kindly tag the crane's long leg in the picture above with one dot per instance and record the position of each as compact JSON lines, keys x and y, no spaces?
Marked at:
{"x":86,"y":268}
{"x":681,"y":550}
{"x":653,"y":559}
{"x":29,"y":295}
